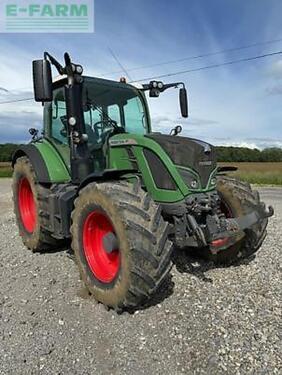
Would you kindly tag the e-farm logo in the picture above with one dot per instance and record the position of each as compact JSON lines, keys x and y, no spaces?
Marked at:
{"x":47,"y":16}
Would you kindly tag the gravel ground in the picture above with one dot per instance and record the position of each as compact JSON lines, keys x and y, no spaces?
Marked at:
{"x":210,"y":321}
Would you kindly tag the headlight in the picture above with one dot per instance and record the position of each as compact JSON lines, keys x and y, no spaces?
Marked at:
{"x":189,"y":178}
{"x":194,"y":184}
{"x":213,"y":181}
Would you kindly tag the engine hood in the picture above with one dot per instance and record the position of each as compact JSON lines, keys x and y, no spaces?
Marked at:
{"x":188,"y":152}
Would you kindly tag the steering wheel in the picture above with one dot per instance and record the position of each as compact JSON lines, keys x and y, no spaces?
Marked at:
{"x":98,"y":125}
{"x":103,"y":131}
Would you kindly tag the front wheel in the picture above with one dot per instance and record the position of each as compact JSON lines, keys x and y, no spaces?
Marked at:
{"x":121,"y":245}
{"x":238,"y":199}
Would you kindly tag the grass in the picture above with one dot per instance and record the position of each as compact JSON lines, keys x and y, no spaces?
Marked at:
{"x":255,"y":173}
{"x":5,"y":169}
{"x":258,"y":173}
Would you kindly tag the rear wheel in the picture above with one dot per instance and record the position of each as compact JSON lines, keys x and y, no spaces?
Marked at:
{"x":30,"y":206}
{"x":121,"y":244}
{"x":239,"y":199}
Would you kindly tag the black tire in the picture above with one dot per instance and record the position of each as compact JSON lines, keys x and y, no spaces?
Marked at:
{"x":239,"y":199}
{"x":38,"y":238}
{"x":145,"y":251}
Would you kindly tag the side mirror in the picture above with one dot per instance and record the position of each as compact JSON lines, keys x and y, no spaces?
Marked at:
{"x":183,"y":101}
{"x":42,"y":81}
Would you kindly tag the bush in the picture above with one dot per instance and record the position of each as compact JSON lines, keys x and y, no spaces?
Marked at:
{"x":6,"y":151}
{"x":244,"y":154}
{"x":224,"y":154}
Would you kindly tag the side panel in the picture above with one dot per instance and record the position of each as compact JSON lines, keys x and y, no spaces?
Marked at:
{"x":48,"y":164}
{"x":127,"y":151}
{"x":58,"y":171}
{"x":119,"y":159}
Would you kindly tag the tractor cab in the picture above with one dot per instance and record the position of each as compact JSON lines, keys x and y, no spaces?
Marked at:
{"x":82,"y":113}
{"x":109,"y":108}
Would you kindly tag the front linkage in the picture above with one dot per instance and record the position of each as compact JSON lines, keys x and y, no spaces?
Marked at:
{"x":199,"y":222}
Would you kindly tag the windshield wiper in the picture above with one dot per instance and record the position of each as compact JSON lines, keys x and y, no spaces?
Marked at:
{"x":101,"y":112}
{"x":104,"y":115}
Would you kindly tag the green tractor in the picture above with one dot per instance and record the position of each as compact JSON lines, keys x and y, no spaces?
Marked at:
{"x":124,"y":195}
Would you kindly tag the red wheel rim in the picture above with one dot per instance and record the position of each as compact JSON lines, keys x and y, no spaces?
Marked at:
{"x":104,"y":266}
{"x":26,"y":205}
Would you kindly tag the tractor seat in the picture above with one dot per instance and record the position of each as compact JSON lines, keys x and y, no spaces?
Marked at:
{"x":93,"y":138}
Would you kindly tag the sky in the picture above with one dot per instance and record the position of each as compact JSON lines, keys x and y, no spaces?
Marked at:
{"x":238,"y":104}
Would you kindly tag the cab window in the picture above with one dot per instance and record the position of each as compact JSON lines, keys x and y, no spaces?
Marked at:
{"x":59,"y":118}
{"x":114,"y":113}
{"x":134,"y":116}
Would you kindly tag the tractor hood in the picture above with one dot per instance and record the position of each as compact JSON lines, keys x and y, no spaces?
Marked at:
{"x":189,"y":153}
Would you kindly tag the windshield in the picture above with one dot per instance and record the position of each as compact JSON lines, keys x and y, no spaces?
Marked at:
{"x":108,"y":104}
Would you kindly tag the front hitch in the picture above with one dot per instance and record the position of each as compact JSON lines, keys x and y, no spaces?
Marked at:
{"x":268,"y":213}
{"x":234,"y":228}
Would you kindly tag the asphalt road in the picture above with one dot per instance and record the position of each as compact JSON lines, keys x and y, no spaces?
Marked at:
{"x":209,"y":321}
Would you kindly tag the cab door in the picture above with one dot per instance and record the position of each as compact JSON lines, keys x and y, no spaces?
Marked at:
{"x":55,"y":118}
{"x":98,"y":129}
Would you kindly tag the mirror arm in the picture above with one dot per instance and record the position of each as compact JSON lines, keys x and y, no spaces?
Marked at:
{"x":166,"y":86}
{"x":70,"y":69}
{"x":54,"y":62}
{"x":177,"y":84}
{"x":145,"y":87}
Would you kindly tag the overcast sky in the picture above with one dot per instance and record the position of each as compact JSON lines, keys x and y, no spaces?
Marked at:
{"x":239,"y":104}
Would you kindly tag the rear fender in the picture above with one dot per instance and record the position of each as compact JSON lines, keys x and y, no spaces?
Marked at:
{"x":46,"y":161}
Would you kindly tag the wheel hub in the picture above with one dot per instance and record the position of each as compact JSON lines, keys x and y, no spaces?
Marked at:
{"x":101,"y":246}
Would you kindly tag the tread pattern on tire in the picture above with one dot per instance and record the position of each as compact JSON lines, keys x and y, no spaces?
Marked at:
{"x":250,"y":200}
{"x":147,"y":235}
{"x":41,"y":239}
